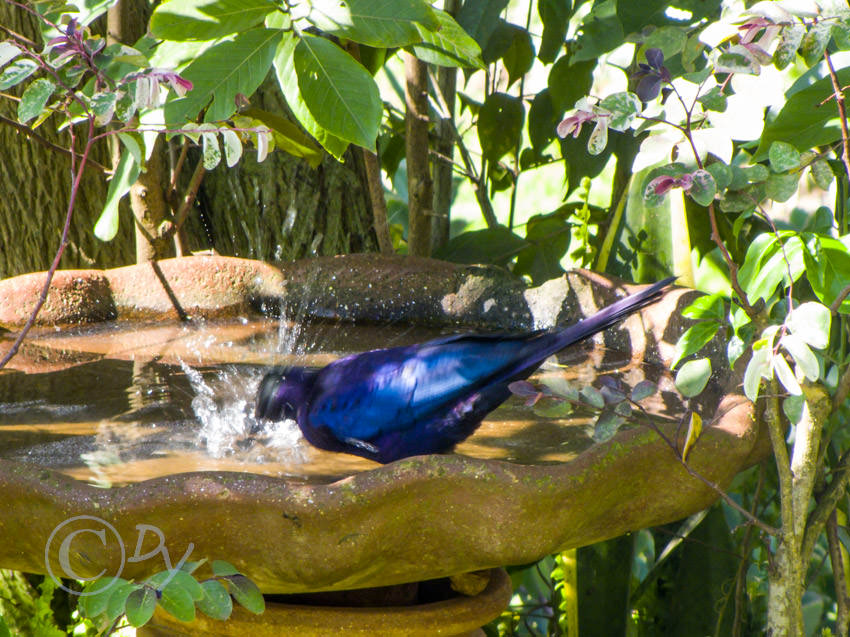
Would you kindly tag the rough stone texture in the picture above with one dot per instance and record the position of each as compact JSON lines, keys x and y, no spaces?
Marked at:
{"x":373,"y":287}
{"x":198,"y":286}
{"x":415,"y":519}
{"x":75,"y":296}
{"x":205,"y":286}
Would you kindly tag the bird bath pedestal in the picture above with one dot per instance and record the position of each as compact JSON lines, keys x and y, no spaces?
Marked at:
{"x":516,"y":491}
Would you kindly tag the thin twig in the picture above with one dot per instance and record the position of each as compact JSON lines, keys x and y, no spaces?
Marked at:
{"x":26,"y":130}
{"x":75,"y":187}
{"x":839,"y":300}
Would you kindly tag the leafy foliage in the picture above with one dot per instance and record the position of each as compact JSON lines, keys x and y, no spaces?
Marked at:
{"x":178,"y":592}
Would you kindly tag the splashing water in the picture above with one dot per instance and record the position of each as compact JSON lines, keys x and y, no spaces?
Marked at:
{"x":224,"y":406}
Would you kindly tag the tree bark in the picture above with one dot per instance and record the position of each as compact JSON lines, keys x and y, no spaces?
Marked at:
{"x":419,"y":184}
{"x":36,"y":186}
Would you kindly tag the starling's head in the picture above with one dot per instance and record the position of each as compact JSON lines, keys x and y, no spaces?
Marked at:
{"x":282,"y":391}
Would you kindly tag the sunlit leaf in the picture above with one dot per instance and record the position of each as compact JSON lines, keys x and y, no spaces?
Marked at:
{"x":449,"y":45}
{"x":34,"y":99}
{"x":17,"y":72}
{"x":811,"y":322}
{"x":802,"y":355}
{"x":207,"y":19}
{"x":694,"y":432}
{"x":216,"y":602}
{"x":694,"y":339}
{"x":693,"y":376}
{"x":126,"y":173}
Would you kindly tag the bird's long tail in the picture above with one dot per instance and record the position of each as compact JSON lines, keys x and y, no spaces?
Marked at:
{"x":607,"y":317}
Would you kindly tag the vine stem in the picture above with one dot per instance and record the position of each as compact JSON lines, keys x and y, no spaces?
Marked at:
{"x":77,"y":172}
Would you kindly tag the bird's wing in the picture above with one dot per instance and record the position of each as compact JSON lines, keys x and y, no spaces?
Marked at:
{"x":361,"y":396}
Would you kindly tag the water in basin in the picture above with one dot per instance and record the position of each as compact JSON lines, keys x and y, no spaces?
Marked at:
{"x":121,"y":402}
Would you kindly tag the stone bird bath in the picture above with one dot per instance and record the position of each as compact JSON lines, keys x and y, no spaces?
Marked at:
{"x":308,"y":522}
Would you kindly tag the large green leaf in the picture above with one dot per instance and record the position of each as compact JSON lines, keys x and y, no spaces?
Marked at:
{"x":828,"y":268}
{"x":500,"y":125}
{"x":511,"y":44}
{"x":555,"y":15}
{"x":601,"y":31}
{"x":549,"y":236}
{"x":807,"y":119}
{"x":223,"y":71}
{"x":288,"y":81}
{"x":496,"y":246}
{"x":479,"y":18}
{"x":124,"y":176}
{"x":339,"y":93}
{"x":378,"y":23}
{"x":449,"y":45}
{"x":207,"y":19}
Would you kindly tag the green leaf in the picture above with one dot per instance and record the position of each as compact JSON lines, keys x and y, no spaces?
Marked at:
{"x":793,"y":408}
{"x":124,"y":176}
{"x":519,"y":56}
{"x":671,"y":40}
{"x":287,"y":136}
{"x":828,"y":268}
{"x":340,"y":94}
{"x":448,"y":46}
{"x":207,"y":19}
{"x":34,"y":99}
{"x":541,"y":121}
{"x":568,"y":83}
{"x":790,"y":38}
{"x":713,"y":100}
{"x":17,"y":72}
{"x":220,"y":568}
{"x":8,"y":52}
{"x":211,"y":150}
{"x":782,"y":187}
{"x":246,"y":593}
{"x":232,"y":147}
{"x":95,"y":598}
{"x":140,"y":606}
{"x":554,"y":409}
{"x":288,"y":81}
{"x":500,"y":125}
{"x":377,"y":23}
{"x":786,"y":376}
{"x":710,"y":306}
{"x":606,"y":426}
{"x":811,"y":322}
{"x":822,"y":174}
{"x":737,"y":59}
{"x":694,"y":339}
{"x":601,"y":31}
{"x":555,"y":16}
{"x":722,"y":174}
{"x":549,"y":238}
{"x":178,"y":601}
{"x":560,"y":386}
{"x":592,"y":397}
{"x":783,"y":156}
{"x":758,"y":367}
{"x":479,"y":18}
{"x":802,"y":355}
{"x":598,"y":139}
{"x":644,"y":389}
{"x":624,"y":107}
{"x":216,"y":602}
{"x":703,"y":188}
{"x":807,"y":119}
{"x":491,"y":246}
{"x":220,"y":73}
{"x":815,"y":41}
{"x":118,"y":599}
{"x":103,"y":106}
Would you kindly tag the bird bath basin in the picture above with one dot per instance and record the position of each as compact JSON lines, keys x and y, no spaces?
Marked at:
{"x":158,"y":411}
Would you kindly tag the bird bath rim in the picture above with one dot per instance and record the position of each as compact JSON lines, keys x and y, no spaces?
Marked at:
{"x":415,"y":519}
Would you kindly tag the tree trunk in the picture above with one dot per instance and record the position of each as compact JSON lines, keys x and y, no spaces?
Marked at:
{"x":419,"y":185}
{"x":282,"y":209}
